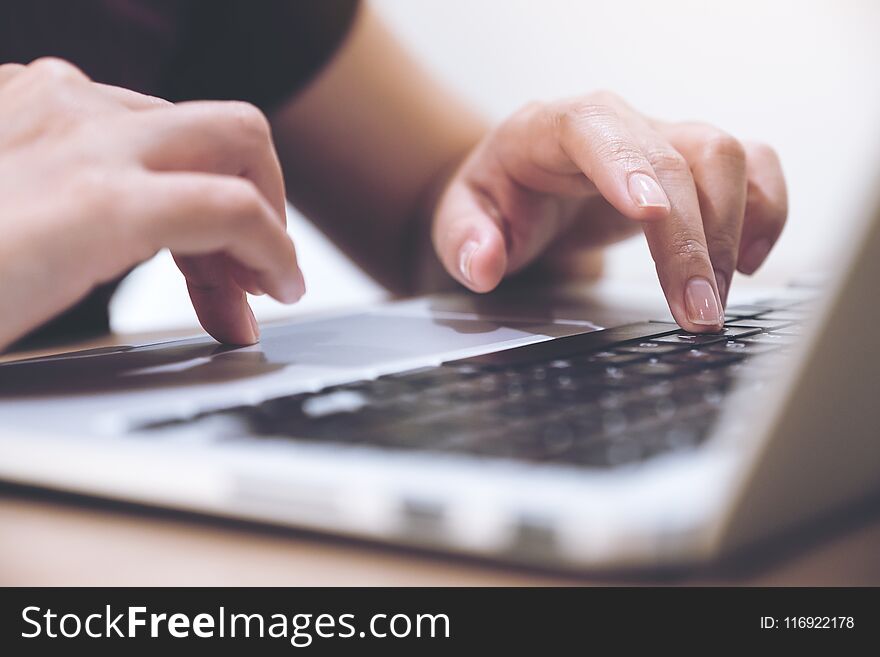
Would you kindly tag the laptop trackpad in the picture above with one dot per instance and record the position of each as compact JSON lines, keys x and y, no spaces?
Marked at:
{"x":307,"y":348}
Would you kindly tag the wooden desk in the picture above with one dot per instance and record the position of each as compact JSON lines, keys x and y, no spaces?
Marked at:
{"x":51,"y":539}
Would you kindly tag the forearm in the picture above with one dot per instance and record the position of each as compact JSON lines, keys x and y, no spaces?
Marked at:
{"x":366,"y":149}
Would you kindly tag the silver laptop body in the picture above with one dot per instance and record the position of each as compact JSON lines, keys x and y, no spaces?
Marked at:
{"x":162,"y":425}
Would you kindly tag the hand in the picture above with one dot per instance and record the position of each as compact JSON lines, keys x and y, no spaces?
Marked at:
{"x":95,"y":179}
{"x":582,"y":173}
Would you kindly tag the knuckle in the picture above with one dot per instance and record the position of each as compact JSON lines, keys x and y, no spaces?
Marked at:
{"x":587,"y":109}
{"x":778,"y":209}
{"x":770,"y":200}
{"x":621,"y":152}
{"x":11,"y":69}
{"x":603,"y":97}
{"x":687,"y":245}
{"x":54,"y":68}
{"x":240,"y":198}
{"x":668,"y":160}
{"x":530,"y":109}
{"x":763,"y":152}
{"x":725,"y":243}
{"x":573,"y":118}
{"x":249,"y":120}
{"x":718,"y":145}
{"x":522,"y":118}
{"x":780,"y":212}
{"x":768,"y":211}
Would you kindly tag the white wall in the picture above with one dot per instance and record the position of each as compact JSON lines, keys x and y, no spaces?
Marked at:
{"x":800,"y":75}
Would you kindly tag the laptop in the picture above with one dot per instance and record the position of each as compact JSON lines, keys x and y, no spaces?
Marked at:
{"x":557,"y":428}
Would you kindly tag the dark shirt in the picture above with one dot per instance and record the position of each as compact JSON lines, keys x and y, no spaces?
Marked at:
{"x":260,"y":51}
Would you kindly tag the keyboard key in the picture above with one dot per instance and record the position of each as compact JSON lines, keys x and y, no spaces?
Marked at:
{"x":701,"y":357}
{"x":651,"y":348}
{"x":791,"y":315}
{"x":769,"y":338}
{"x":763,"y":324}
{"x":610,"y":358}
{"x":557,"y":437}
{"x":726,"y":333}
{"x":623,"y":453}
{"x":654,"y":368}
{"x":746,"y":310}
{"x":793,"y":330}
{"x":744,"y":348}
{"x":778,"y":303}
{"x":565,"y":347}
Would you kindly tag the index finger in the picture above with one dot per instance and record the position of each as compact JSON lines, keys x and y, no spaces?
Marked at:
{"x":678,"y":245}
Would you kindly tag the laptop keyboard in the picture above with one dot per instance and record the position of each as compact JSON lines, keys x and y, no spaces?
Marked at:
{"x":602,"y":399}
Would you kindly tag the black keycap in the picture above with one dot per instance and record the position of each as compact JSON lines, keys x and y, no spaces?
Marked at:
{"x":790,"y":315}
{"x":701,"y":358}
{"x":654,"y":368}
{"x":609,"y":358}
{"x":744,"y":348}
{"x":793,"y":330}
{"x":745,"y":310}
{"x":769,"y":338}
{"x":582,"y":343}
{"x":650,"y":348}
{"x":778,"y":303}
{"x":726,"y":333}
{"x":763,"y":324}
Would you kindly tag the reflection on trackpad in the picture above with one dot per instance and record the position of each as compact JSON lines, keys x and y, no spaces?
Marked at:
{"x":370,"y":338}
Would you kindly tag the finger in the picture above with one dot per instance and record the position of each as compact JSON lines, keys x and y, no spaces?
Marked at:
{"x":56,"y":68}
{"x":766,"y":206}
{"x":220,"y":304}
{"x":245,"y":278}
{"x":468,"y":237}
{"x":209,"y":215}
{"x":575,"y":149}
{"x":226,"y":138}
{"x":678,"y":245}
{"x":586,"y":144}
{"x":202,"y":214}
{"x":592,"y":139}
{"x":38,"y":94}
{"x":718,"y":165}
{"x":230,"y":138}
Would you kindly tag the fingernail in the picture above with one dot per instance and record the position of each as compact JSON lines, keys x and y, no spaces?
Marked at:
{"x":292,"y":290}
{"x":647,"y":192}
{"x":754,"y":256}
{"x":254,"y":325}
{"x":721,"y":280}
{"x":702,"y":305}
{"x":465,"y":257}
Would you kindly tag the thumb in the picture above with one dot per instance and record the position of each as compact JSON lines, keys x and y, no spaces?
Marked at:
{"x":469,"y":238}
